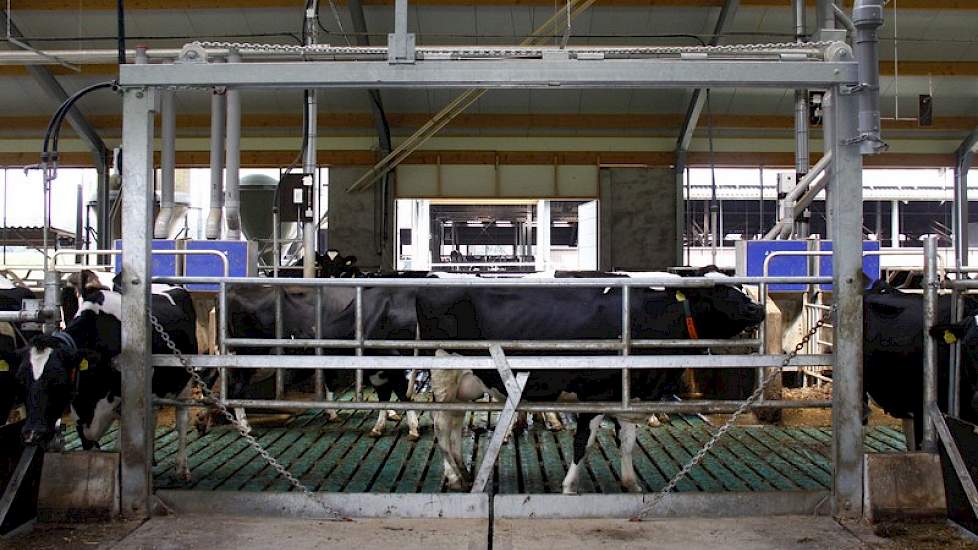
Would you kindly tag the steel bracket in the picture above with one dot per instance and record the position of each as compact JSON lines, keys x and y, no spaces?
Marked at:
{"x":514,"y":390}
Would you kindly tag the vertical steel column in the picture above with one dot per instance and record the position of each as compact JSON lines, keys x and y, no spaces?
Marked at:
{"x":215,"y":218}
{"x":847,"y":353}
{"x":222,"y":335}
{"x":962,"y":165}
{"x":320,"y":375}
{"x":310,"y":228}
{"x":895,"y":224}
{"x":137,"y":214}
{"x":802,"y":162}
{"x":358,"y":328}
{"x":232,"y":164}
{"x":828,"y":129}
{"x":681,"y":227}
{"x":626,"y":344}
{"x":931,"y":284}
{"x":279,"y":334}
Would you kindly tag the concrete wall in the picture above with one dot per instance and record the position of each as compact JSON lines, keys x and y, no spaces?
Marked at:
{"x":355,"y":223}
{"x":638,"y":219}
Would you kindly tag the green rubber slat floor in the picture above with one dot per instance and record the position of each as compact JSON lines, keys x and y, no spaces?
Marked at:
{"x":341,"y":457}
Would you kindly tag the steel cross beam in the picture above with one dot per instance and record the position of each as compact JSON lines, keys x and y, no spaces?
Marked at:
{"x":499,"y":74}
{"x":514,"y":392}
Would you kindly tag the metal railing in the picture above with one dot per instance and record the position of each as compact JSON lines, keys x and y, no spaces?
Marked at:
{"x":623,"y":359}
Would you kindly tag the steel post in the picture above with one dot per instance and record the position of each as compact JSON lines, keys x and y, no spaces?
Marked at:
{"x":358,"y":334}
{"x":215,"y":217}
{"x":895,"y":224}
{"x":168,"y":163}
{"x":847,"y":287}
{"x":931,"y":284}
{"x":232,"y":200}
{"x":320,"y":375}
{"x":137,"y":214}
{"x":626,"y":343}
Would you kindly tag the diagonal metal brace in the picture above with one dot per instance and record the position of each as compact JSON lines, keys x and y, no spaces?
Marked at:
{"x":17,"y":479}
{"x":960,"y":468}
{"x":514,"y":392}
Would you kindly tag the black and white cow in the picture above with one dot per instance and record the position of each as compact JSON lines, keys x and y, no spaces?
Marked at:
{"x":389,"y":313}
{"x":893,"y":355}
{"x":12,"y":339}
{"x":568,"y":314}
{"x":74,"y":367}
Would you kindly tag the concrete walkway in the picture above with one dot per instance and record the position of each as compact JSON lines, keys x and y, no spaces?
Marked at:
{"x":241,"y":533}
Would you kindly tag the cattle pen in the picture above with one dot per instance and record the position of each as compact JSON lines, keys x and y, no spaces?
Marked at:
{"x":698,"y":463}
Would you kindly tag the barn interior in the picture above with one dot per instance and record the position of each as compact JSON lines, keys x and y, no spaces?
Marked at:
{"x":218,"y":145}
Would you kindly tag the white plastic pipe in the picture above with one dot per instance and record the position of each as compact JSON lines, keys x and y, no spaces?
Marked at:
{"x":168,"y":139}
{"x":233,"y":161}
{"x":214,"y":217}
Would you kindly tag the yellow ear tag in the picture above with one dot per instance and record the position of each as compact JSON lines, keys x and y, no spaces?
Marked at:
{"x":949,"y":337}
{"x":4,"y":366}
{"x":83,"y":366}
{"x":680,"y":297}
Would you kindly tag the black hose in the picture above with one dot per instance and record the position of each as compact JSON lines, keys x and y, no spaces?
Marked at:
{"x":121,"y":37}
{"x":53,"y":131}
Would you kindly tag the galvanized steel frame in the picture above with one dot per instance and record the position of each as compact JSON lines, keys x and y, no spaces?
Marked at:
{"x":837,"y":74}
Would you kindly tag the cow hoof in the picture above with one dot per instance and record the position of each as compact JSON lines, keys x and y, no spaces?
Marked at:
{"x":185,"y":476}
{"x":632,"y":487}
{"x":392,"y":415}
{"x":556,"y":427}
{"x":413,"y":436}
{"x":334,"y":418}
{"x":569,"y":491}
{"x":375,"y":433}
{"x":654,"y":421}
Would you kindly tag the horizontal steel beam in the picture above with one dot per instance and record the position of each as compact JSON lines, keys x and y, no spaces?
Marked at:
{"x":31,"y":316}
{"x":649,"y":407}
{"x":508,"y":73}
{"x":568,"y":345}
{"x":612,"y":362}
{"x":500,"y":282}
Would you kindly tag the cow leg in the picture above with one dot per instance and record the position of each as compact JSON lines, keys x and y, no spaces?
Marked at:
{"x":447,"y":425}
{"x":552,"y":420}
{"x":106,"y":412}
{"x":587,"y":429}
{"x":182,"y":421}
{"x":626,"y":436}
{"x":414,"y":426}
{"x":331,"y":414}
{"x":393,"y":415}
{"x":239,"y":414}
{"x":909,"y":433}
{"x":384,"y":393}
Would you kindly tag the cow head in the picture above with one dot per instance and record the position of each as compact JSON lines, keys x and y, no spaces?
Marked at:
{"x":332,"y":264}
{"x":47,"y":375}
{"x":723,"y":311}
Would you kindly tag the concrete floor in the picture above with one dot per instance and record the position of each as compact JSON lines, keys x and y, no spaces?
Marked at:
{"x":241,"y":533}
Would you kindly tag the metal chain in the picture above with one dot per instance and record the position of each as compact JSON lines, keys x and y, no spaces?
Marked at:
{"x":209,"y":398}
{"x":699,"y":456}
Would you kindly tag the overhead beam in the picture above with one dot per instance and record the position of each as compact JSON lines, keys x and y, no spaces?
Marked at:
{"x":941,"y":69}
{"x":49,"y":84}
{"x":140,"y":5}
{"x":366,"y":157}
{"x":698,"y":99}
{"x":257,"y":122}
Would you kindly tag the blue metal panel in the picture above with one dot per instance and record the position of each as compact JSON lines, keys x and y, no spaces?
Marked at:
{"x":211,"y":266}
{"x":871,"y":264}
{"x":164,"y":265}
{"x":784,"y":266}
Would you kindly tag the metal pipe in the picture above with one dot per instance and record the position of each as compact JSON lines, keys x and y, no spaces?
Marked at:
{"x":215,"y":222}
{"x":320,"y":374}
{"x":516,"y":345}
{"x":683,"y":407}
{"x":590,"y":362}
{"x":843,"y":19}
{"x":233,"y":162}
{"x":52,"y":302}
{"x":895,"y":224}
{"x":279,"y":335}
{"x":358,"y":334}
{"x":802,"y":161}
{"x":27,"y":316}
{"x":931,"y":284}
{"x":867,"y":16}
{"x":310,"y":229}
{"x":502,"y":282}
{"x":825,"y":14}
{"x":168,"y":146}
{"x":626,"y":341}
{"x":222,"y":332}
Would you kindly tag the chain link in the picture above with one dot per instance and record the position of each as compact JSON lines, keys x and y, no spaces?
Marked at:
{"x":507,"y":51}
{"x":746,"y":405}
{"x":245,"y":432}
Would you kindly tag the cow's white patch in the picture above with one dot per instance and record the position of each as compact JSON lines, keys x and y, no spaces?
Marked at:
{"x":6,"y":283}
{"x":84,"y":305}
{"x":102,"y":419}
{"x":112,"y":304}
{"x":162,"y":290}
{"x":377,"y":380}
{"x":39,"y":360}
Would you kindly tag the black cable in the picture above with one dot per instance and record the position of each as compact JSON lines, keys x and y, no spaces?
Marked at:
{"x":121,"y":25}
{"x":53,"y":131}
